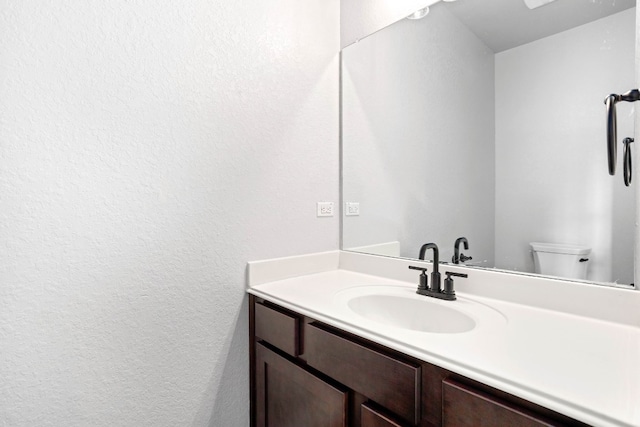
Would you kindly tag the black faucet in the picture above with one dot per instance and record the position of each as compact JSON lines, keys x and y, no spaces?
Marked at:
{"x":434,"y":290}
{"x":448,"y":293}
{"x":457,"y":256}
{"x":435,"y":274}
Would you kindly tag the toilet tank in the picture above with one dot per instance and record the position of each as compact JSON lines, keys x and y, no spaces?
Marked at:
{"x":561,"y":260}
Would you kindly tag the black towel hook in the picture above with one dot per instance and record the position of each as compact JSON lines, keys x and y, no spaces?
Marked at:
{"x":612,"y":137}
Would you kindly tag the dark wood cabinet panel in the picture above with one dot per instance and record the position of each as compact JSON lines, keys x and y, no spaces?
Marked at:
{"x":388,"y":381}
{"x":465,"y":407}
{"x":510,"y":400}
{"x":278,"y":328}
{"x":372,"y":417}
{"x":432,"y":377}
{"x":289,"y":396}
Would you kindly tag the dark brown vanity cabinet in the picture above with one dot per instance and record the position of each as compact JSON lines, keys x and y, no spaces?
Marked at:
{"x":306,"y":374}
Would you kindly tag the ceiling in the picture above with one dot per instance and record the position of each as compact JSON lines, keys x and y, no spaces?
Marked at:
{"x":504,"y":24}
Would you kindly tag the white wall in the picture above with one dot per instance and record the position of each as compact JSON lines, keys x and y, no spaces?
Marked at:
{"x":359,"y":18}
{"x":537,"y":134}
{"x":148,"y":150}
{"x":406,"y":149}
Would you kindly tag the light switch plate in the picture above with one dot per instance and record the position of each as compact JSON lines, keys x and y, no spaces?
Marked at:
{"x":352,"y":208}
{"x":325,"y":209}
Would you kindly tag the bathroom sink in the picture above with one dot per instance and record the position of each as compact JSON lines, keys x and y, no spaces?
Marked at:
{"x":417,"y":314}
{"x":393,"y":307}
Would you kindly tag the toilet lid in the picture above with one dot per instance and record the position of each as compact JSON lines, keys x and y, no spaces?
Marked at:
{"x":560,"y":248}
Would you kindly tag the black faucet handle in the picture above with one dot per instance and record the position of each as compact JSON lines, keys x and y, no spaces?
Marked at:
{"x":424,"y":281}
{"x":464,"y":258}
{"x":451,"y":273}
{"x":448,"y":283}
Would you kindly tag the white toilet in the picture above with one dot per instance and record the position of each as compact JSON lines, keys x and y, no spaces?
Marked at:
{"x":554,"y":259}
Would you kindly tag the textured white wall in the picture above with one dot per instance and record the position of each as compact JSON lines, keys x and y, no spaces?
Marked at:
{"x":148,"y":150}
{"x":418,"y":125}
{"x":551,"y":176}
{"x":359,"y":18}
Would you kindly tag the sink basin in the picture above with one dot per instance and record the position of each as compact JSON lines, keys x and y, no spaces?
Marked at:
{"x":417,"y":313}
{"x":397,"y":308}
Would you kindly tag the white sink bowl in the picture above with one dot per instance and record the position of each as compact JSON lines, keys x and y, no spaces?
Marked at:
{"x":425,"y":315}
{"x":401,"y":308}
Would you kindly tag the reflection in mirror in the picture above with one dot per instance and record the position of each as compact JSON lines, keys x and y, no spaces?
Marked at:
{"x":358,"y":18}
{"x":474,"y":122}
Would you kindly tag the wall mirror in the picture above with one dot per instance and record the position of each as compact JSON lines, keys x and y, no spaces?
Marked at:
{"x":485,"y":120}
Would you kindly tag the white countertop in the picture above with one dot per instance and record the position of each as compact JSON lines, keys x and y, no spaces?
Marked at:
{"x":587,"y":368}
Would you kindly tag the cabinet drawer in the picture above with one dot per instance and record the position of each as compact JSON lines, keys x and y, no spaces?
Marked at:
{"x":278,"y":328}
{"x":370,"y":417}
{"x":463,"y":406}
{"x":389,"y":382}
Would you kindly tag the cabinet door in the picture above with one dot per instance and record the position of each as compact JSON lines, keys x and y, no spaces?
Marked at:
{"x":466,"y":407}
{"x":287,"y":395}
